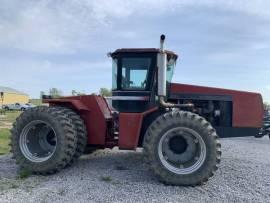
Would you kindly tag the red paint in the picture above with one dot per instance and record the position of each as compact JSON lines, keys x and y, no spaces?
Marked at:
{"x":93,"y":110}
{"x":130,"y":125}
{"x":247,"y":106}
{"x":129,"y":129}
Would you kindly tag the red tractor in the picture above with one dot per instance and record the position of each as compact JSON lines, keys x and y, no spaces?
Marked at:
{"x":177,"y":125}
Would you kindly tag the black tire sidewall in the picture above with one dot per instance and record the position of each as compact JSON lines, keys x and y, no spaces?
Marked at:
{"x":201,"y":127}
{"x":53,"y":162}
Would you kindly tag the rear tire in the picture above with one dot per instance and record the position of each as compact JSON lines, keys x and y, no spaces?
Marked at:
{"x":43,"y":140}
{"x":182,"y":148}
{"x":81,"y":132}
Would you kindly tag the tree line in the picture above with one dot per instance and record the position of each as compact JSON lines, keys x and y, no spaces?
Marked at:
{"x":55,"y":92}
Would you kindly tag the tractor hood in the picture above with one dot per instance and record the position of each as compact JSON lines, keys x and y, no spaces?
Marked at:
{"x":247,"y":106}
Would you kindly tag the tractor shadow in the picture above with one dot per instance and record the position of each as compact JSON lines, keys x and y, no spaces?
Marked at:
{"x":114,"y":166}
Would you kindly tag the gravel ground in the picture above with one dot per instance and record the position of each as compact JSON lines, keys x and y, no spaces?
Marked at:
{"x":117,"y":176}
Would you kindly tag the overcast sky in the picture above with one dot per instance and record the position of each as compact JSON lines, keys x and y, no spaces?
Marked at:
{"x":63,"y":44}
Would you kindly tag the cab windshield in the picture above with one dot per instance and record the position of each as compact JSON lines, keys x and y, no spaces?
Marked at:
{"x":134,"y":72}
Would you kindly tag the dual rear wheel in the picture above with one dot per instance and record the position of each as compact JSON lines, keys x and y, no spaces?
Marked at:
{"x":47,"y":139}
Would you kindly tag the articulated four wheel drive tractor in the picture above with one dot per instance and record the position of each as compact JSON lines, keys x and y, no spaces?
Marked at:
{"x":177,"y":125}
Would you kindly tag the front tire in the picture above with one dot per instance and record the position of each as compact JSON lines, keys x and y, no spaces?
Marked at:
{"x":43,"y":140}
{"x":182,"y":148}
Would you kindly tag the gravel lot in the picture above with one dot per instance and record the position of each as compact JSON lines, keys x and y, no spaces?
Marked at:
{"x":116,"y":176}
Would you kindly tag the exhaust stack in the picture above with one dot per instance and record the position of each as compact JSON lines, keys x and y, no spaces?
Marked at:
{"x":162,"y":77}
{"x":162,"y":65}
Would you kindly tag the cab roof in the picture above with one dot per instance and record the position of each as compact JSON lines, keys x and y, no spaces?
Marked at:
{"x":141,"y":50}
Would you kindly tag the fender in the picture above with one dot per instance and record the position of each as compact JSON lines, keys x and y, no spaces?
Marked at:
{"x":130,"y":127}
{"x":76,"y":104}
{"x":94,"y":111}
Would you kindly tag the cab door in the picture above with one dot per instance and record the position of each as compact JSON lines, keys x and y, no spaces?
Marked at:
{"x":133,"y":75}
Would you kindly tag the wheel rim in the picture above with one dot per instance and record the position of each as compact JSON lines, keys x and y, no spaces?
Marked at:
{"x":182,"y":150}
{"x":38,"y":141}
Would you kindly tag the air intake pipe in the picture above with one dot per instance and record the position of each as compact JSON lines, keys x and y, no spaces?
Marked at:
{"x":162,"y":77}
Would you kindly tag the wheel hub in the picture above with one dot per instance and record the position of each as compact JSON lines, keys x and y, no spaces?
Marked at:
{"x":182,"y":150}
{"x":178,"y":144}
{"x":38,"y":141}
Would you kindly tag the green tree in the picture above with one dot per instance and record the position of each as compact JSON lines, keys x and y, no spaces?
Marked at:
{"x":105,"y":92}
{"x":266,"y":105}
{"x":74,"y":93}
{"x":54,"y":92}
{"x":41,"y":94}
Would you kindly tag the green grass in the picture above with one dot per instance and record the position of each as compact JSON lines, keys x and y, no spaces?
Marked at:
{"x":36,"y":102}
{"x":6,"y":184}
{"x":106,"y":178}
{"x":6,"y":123}
{"x":24,"y":173}
{"x":4,"y":141}
{"x":10,"y":116}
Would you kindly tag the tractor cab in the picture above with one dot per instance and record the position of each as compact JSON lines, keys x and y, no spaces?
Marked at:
{"x":135,"y":78}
